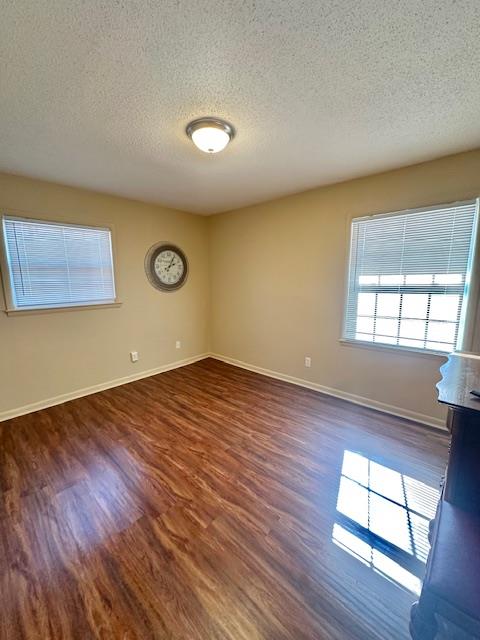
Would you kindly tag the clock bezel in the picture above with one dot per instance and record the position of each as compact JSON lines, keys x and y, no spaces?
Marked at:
{"x":152,"y":276}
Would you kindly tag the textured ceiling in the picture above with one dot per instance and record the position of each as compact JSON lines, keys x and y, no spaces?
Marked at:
{"x":97,"y":94}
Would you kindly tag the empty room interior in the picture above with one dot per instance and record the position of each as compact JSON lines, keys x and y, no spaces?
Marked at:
{"x":239,"y":320}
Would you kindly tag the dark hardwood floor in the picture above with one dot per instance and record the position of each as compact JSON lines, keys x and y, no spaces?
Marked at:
{"x":213,"y":503}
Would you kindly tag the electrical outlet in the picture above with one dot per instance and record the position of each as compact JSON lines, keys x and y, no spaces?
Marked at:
{"x":178,"y":344}
{"x":134,"y":356}
{"x":308,"y":361}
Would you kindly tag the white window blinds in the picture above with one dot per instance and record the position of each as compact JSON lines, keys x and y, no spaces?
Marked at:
{"x":408,"y":277}
{"x":57,"y":265}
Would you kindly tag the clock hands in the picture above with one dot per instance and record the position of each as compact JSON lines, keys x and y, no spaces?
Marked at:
{"x":172,"y":262}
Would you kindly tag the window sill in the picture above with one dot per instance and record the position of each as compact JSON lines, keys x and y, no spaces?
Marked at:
{"x":76,"y":307}
{"x":390,"y":347}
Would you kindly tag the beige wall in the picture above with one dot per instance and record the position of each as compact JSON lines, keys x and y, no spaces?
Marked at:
{"x":278,"y":275}
{"x":267,"y":282}
{"x":48,"y":354}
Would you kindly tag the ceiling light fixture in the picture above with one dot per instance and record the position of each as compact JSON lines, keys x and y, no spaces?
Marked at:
{"x":210,"y":135}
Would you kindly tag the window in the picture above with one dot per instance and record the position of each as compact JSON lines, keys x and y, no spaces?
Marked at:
{"x":409,"y":277}
{"x":56,"y":265}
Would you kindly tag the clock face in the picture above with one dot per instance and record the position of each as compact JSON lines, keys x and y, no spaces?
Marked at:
{"x":166,"y":267}
{"x":169,"y":267}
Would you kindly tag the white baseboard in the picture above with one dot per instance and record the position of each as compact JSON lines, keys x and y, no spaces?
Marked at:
{"x":337,"y":393}
{"x":86,"y":391}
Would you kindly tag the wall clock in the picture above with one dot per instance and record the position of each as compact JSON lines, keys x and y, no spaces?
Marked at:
{"x":166,"y":266}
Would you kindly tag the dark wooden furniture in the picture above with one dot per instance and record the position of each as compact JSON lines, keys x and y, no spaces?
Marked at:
{"x":449,"y":604}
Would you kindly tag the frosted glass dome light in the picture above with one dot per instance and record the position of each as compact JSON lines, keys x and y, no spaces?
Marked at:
{"x":210,"y":135}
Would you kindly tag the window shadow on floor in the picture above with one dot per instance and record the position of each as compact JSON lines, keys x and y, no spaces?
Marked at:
{"x":382,"y":519}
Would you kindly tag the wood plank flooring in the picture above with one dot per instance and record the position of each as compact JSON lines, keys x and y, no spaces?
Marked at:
{"x":202,"y":504}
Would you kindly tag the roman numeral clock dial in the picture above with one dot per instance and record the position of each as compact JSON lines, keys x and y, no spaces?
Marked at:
{"x":166,"y":267}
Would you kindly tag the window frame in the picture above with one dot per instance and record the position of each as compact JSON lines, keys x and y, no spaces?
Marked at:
{"x":471,"y":290}
{"x":6,"y":275}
